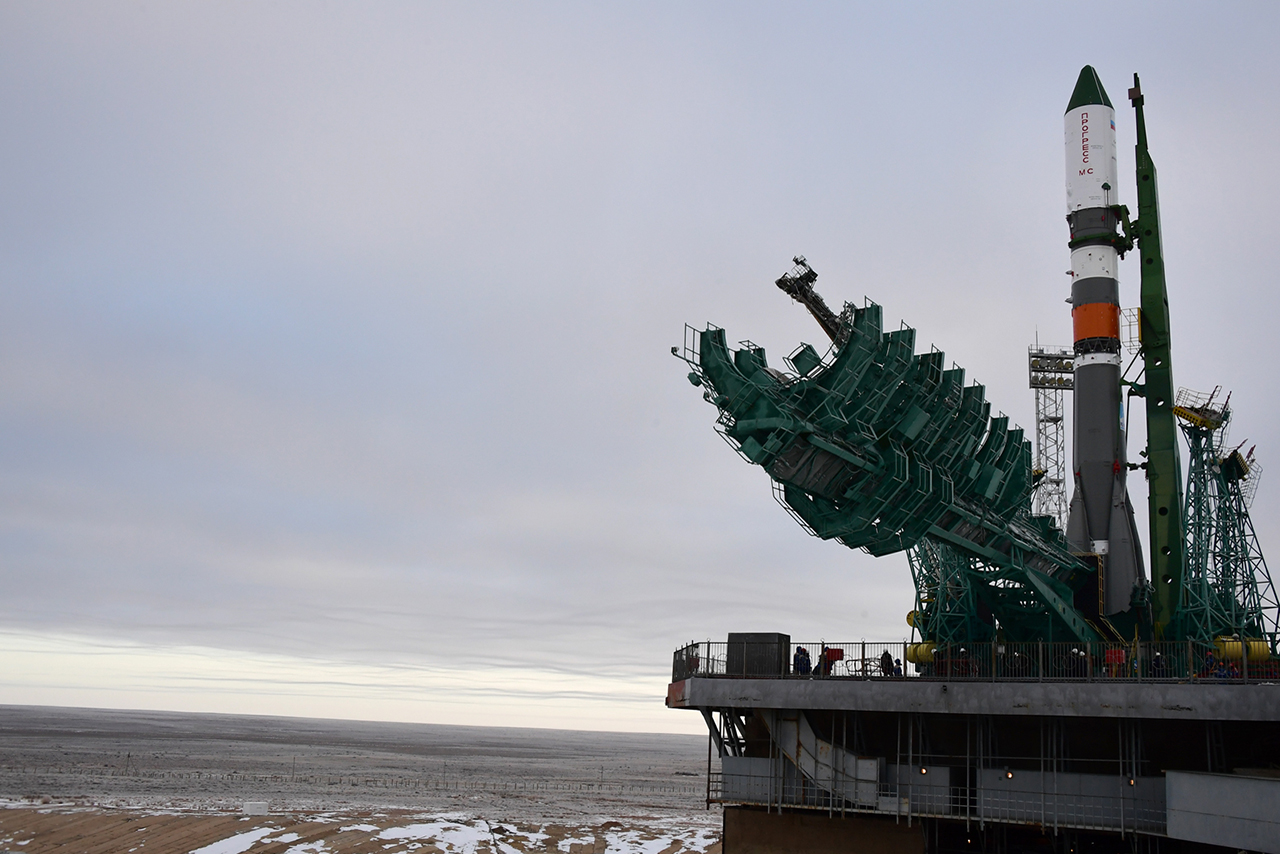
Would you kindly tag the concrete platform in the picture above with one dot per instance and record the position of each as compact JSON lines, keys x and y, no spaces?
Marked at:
{"x":1187,"y":701}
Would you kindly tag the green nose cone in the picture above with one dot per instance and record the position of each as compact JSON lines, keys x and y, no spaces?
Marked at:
{"x":1088,"y":90}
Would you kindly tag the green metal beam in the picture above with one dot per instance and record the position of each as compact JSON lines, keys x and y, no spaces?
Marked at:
{"x":1164,"y":466}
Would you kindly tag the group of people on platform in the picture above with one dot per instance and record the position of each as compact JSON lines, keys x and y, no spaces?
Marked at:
{"x":802,"y":664}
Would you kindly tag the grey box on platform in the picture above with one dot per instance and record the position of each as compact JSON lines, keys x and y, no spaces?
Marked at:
{"x":758,"y":654}
{"x":867,"y":773}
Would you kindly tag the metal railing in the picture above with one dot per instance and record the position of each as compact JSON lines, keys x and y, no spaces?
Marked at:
{"x":1128,"y":808}
{"x":1172,"y":661}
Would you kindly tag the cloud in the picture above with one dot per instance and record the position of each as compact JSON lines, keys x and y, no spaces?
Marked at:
{"x":66,"y":670}
{"x":338,"y":338}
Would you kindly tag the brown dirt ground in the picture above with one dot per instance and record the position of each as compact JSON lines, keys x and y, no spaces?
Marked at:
{"x":62,"y":828}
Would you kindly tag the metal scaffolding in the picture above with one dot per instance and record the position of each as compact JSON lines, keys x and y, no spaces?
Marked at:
{"x":947,"y":607}
{"x":1050,"y":371}
{"x":1227,"y":590}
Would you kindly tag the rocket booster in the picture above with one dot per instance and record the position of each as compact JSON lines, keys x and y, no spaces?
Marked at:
{"x":1100,"y":521}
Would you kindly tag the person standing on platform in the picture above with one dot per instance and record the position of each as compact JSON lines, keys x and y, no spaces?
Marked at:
{"x":800,"y":663}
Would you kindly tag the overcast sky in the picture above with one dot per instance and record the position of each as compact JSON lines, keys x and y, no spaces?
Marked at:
{"x":335,"y":372}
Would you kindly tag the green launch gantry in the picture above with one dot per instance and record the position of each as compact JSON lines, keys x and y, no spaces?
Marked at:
{"x":881,"y":448}
{"x":1227,"y":590}
{"x":887,"y":450}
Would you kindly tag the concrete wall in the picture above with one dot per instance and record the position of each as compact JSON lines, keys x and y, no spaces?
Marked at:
{"x":750,"y":831}
{"x":1224,"y":809}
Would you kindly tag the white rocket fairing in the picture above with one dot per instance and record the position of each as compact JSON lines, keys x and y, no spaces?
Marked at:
{"x":1100,"y":521}
{"x":1090,"y":142}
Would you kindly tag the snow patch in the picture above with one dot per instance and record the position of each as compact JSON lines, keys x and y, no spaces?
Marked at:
{"x":317,"y":847}
{"x":451,"y":836}
{"x":237,"y":844}
{"x":284,"y":837}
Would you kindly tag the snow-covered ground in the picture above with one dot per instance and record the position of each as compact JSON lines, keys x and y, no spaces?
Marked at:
{"x":334,"y":786}
{"x":35,"y":828}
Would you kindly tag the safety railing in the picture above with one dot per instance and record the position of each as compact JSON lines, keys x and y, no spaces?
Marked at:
{"x":1169,"y":661}
{"x":1123,"y":806}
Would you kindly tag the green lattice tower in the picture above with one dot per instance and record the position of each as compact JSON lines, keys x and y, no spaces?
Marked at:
{"x":1240,"y":571}
{"x":947,"y":605}
{"x":1227,"y":589}
{"x":1200,"y":615}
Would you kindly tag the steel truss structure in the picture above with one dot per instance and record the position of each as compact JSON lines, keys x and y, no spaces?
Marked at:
{"x":882,"y":449}
{"x":1051,"y":374}
{"x":1227,"y":589}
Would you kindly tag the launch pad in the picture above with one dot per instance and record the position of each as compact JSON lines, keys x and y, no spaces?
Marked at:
{"x":1115,"y":757}
{"x":1058,"y":693}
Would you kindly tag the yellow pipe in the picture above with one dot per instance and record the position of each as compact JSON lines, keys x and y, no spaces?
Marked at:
{"x":1232,"y":649}
{"x":921,"y":653}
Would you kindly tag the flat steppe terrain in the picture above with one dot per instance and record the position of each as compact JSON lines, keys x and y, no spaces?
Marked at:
{"x":98,"y":780}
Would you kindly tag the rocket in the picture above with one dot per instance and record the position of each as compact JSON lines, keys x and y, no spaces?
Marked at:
{"x":1100,"y":521}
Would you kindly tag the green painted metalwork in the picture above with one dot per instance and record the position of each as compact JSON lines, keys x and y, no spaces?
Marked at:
{"x":881,"y":448}
{"x":1089,"y":90}
{"x":886,"y":450}
{"x":1164,"y":467}
{"x":948,"y":610}
{"x":1227,"y":589}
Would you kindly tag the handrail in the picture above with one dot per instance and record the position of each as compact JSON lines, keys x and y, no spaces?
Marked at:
{"x":1172,"y":661}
